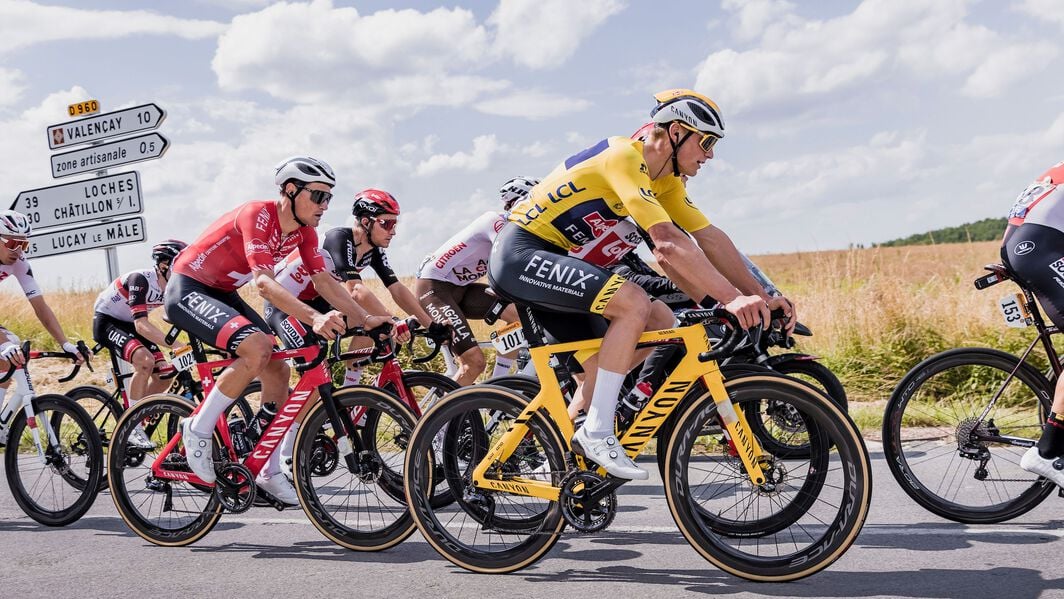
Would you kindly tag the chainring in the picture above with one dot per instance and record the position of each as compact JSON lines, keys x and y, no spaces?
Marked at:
{"x":582,"y":514}
{"x":325,"y":456}
{"x":234,"y":488}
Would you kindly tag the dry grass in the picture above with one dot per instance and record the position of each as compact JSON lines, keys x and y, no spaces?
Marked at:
{"x":875,"y":312}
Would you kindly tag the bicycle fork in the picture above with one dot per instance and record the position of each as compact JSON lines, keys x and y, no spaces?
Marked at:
{"x":24,"y":401}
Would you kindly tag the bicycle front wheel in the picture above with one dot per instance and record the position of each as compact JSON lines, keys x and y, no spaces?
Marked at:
{"x":54,"y":464}
{"x":953,"y":459}
{"x":484,"y":530}
{"x":358,"y":505}
{"x":805,"y":515}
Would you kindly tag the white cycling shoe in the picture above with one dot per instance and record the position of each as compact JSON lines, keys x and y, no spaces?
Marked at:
{"x":279,"y":487}
{"x":139,"y":439}
{"x":198,"y":452}
{"x":608,"y":453}
{"x":1051,"y":468}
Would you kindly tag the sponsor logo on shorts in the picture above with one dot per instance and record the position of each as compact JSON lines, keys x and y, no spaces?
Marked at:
{"x":572,"y":277}
{"x":606,"y":294}
{"x":199,"y":305}
{"x":1023,"y":248}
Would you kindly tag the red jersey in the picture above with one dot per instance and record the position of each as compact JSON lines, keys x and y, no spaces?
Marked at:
{"x":245,"y":239}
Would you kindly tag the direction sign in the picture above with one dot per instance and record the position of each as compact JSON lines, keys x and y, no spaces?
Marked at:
{"x":108,"y":155}
{"x":93,"y":199}
{"x":77,"y":239}
{"x":109,"y":124}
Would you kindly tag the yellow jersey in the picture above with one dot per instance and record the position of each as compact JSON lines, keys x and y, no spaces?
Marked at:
{"x":589,"y":193}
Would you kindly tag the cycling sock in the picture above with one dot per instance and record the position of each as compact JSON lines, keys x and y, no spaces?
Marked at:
{"x":214,"y":406}
{"x":353,"y":376}
{"x":1051,"y":445}
{"x":502,"y":366}
{"x":600,"y":415}
{"x":284,"y":451}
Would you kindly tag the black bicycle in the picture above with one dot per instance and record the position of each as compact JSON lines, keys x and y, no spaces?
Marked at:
{"x":958,"y":423}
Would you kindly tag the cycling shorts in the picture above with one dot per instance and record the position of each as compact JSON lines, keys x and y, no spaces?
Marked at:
{"x":293,"y":333}
{"x":121,"y":337}
{"x":219,"y":318}
{"x":1035,"y":254}
{"x":525,"y":268}
{"x":452,"y":304}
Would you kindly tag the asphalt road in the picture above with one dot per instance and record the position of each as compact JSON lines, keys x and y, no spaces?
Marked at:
{"x":902,"y":551}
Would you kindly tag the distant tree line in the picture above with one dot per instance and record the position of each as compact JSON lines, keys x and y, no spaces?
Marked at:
{"x":988,"y":229}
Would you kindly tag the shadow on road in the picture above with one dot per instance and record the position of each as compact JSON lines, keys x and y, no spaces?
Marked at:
{"x":405,"y":553}
{"x":938,"y":536}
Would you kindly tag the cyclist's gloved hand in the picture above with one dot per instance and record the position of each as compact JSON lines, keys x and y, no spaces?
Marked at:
{"x":330,"y":324}
{"x":779,"y":302}
{"x":12,"y":353}
{"x":401,"y":330}
{"x":439,"y":332}
{"x":70,"y":348}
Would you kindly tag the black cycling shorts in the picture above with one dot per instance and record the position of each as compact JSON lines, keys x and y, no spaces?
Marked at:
{"x":293,"y":333}
{"x":452,"y":304}
{"x":1035,"y":254}
{"x":121,"y":337}
{"x":219,"y":318}
{"x":526,"y":268}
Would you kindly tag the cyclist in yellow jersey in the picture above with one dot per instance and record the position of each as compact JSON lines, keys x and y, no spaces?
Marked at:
{"x":582,"y":199}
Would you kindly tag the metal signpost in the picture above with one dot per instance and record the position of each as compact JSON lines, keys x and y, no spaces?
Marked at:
{"x":99,"y":201}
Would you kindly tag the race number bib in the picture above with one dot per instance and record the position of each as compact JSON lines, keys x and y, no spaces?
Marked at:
{"x":183,"y":359}
{"x":508,"y":338}
{"x":1015,"y":311}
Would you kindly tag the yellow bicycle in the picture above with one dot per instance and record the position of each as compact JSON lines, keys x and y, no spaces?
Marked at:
{"x":756,"y":515}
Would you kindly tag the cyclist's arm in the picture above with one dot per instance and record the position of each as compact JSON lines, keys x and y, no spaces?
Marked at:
{"x":720,"y":250}
{"x":687,"y":266}
{"x":137,"y":285}
{"x":276,"y":294}
{"x":338,"y":297}
{"x":48,"y":320}
{"x":146,"y":329}
{"x":405,"y":299}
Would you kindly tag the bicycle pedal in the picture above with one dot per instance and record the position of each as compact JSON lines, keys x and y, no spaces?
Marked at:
{"x":1060,"y":491}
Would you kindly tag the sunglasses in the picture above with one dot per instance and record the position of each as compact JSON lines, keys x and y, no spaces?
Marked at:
{"x":318,"y":196}
{"x":707,"y":141}
{"x":386,"y":224}
{"x":15,"y":243}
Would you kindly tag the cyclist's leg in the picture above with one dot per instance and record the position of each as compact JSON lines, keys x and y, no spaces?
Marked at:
{"x":1042,"y":271}
{"x":6,"y":409}
{"x":443,"y":302}
{"x":121,"y":339}
{"x":475,"y":303}
{"x":161,"y":374}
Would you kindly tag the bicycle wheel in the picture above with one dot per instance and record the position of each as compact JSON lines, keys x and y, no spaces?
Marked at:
{"x":484,"y":531}
{"x":525,"y":385}
{"x":426,"y":388}
{"x":948,"y":457}
{"x":818,"y":375}
{"x":57,"y":486}
{"x":790,"y":528}
{"x":104,"y":410}
{"x":364,"y":510}
{"x":166,"y":512}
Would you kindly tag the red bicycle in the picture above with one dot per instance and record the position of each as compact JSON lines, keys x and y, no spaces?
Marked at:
{"x":358,"y":502}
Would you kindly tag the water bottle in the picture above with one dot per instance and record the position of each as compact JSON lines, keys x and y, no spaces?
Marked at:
{"x":238,"y":432}
{"x":632,"y":403}
{"x":261,"y":420}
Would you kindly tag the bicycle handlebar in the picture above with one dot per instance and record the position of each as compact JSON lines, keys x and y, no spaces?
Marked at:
{"x":82,"y":349}
{"x":436,"y":344}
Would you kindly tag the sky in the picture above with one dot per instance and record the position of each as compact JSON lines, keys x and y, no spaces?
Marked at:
{"x":846,"y":122}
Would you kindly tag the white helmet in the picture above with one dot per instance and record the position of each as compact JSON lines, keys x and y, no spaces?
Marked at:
{"x":690,"y":107}
{"x":14,"y":224}
{"x":304,"y":169}
{"x":516,"y":189}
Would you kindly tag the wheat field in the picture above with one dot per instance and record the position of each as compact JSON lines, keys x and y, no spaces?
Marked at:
{"x":874,"y":313}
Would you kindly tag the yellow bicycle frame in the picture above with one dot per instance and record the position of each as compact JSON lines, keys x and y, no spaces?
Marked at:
{"x":647,"y":422}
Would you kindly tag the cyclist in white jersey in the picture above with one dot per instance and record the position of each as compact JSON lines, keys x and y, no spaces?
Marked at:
{"x":448,"y":288}
{"x":14,"y":241}
{"x":120,"y":323}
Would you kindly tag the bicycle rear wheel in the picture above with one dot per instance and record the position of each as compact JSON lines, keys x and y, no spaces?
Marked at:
{"x":806,"y":515}
{"x":362,"y":509}
{"x":58,"y":487}
{"x":484,"y":531}
{"x":166,"y":512}
{"x":948,"y":457}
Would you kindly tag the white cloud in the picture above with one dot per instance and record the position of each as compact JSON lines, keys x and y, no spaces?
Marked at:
{"x":753,"y":16}
{"x":27,"y":23}
{"x":880,"y":40}
{"x":545,"y":33}
{"x":532,"y":104}
{"x":1044,"y":10}
{"x":484,"y":148}
{"x":12,"y":84}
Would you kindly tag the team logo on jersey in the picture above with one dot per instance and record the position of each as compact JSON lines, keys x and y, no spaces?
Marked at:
{"x":1058,"y":267}
{"x":1023,"y":248}
{"x":197,"y":264}
{"x":600,"y":225}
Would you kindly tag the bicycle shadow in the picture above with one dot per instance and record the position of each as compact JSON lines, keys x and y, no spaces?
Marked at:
{"x":408,"y":552}
{"x":949,"y":537}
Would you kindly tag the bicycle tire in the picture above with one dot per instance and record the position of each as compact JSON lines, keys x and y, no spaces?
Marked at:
{"x":384,"y":459}
{"x":914,"y":452}
{"x":464,"y":537}
{"x":801,"y":544}
{"x":135,"y":491}
{"x":77,"y":461}
{"x":104,"y":410}
{"x":525,"y":385}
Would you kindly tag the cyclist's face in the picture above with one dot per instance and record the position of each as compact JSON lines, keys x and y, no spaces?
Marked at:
{"x":382,"y":229}
{"x":690,"y":155}
{"x":308,"y":211}
{"x":11,"y":249}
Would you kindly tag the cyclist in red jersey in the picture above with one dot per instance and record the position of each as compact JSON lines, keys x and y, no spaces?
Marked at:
{"x":243,"y":246}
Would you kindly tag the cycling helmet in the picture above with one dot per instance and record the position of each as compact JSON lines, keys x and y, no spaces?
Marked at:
{"x":374,"y":202}
{"x":166,"y":251}
{"x":304,"y":169}
{"x":14,"y":224}
{"x":690,"y":107}
{"x":516,"y":189}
